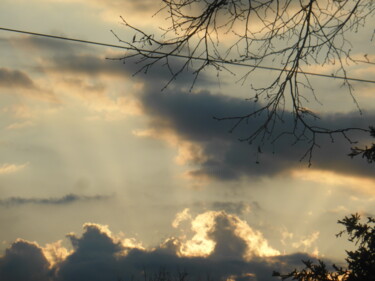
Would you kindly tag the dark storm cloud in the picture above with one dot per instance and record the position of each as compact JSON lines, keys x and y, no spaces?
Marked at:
{"x":62,"y":56}
{"x":143,"y":6}
{"x":85,"y":64}
{"x":24,"y":261}
{"x":94,"y":257}
{"x":92,"y":64}
{"x":228,"y":244}
{"x":36,"y":44}
{"x":67,"y":199}
{"x":189,"y":116}
{"x":98,"y":256}
{"x":135,"y":7}
{"x":15,"y":79}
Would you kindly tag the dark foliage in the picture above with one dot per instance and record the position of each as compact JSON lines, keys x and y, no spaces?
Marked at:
{"x":360,"y":262}
{"x":368,"y":152}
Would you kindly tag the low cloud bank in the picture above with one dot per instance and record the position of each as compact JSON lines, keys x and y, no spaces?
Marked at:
{"x":221,"y":247}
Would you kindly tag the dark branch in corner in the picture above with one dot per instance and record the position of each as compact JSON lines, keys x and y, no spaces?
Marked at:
{"x":368,"y":152}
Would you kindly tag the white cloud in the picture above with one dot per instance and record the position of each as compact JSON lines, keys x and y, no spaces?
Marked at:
{"x":307,"y":242}
{"x":285,"y":234}
{"x":181,"y":216}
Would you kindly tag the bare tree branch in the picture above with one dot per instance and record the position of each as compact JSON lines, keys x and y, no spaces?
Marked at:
{"x":292,"y":34}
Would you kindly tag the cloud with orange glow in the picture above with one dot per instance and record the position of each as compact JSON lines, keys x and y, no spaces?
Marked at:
{"x":222,"y":245}
{"x":330,"y":178}
{"x":11,"y":168}
{"x":218,"y":234}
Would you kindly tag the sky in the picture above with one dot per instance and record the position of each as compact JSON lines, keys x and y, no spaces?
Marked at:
{"x":105,"y":176}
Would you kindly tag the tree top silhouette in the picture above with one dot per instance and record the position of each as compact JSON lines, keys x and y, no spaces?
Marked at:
{"x":360,"y":262}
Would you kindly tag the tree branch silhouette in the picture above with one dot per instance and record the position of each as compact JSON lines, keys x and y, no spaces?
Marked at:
{"x":287,"y":33}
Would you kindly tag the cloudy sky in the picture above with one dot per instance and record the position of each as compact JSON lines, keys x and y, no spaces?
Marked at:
{"x":103,"y":176}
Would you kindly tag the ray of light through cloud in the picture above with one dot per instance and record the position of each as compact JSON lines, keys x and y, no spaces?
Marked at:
{"x":106,"y":174}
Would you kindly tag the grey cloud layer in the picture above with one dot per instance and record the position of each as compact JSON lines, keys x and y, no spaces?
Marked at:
{"x":232,"y":207}
{"x":49,"y":45}
{"x":236,"y":207}
{"x":189,"y":116}
{"x":67,"y":199}
{"x":15,"y":79}
{"x":24,"y":261}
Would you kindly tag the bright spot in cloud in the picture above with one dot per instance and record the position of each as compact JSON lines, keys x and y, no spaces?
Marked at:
{"x":307,"y":241}
{"x":200,"y":245}
{"x":363,"y":184}
{"x":55,"y":253}
{"x":188,"y":152}
{"x":11,"y":168}
{"x":180,"y":217}
{"x":213,"y":229}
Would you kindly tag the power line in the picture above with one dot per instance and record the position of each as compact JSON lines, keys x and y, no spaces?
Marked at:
{"x":183,"y":56}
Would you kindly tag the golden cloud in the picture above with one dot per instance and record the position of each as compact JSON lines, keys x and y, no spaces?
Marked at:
{"x":19,"y":125}
{"x":11,"y":168}
{"x":306,"y":242}
{"x":188,"y":152}
{"x":208,"y":226}
{"x":55,"y":252}
{"x":357,"y":183}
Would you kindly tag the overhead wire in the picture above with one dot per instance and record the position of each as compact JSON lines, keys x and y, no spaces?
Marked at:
{"x":184,"y":56}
